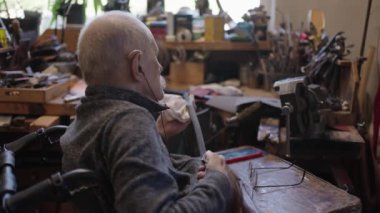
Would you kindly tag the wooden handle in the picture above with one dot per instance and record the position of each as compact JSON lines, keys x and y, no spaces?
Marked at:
{"x":12,"y":93}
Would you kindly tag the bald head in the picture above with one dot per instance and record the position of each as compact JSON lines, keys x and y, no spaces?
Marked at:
{"x":104,"y":45}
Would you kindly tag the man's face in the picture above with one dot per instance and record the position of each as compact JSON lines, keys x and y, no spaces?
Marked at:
{"x":152,"y":69}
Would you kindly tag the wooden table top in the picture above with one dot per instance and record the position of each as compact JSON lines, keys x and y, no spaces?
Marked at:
{"x":312,"y":195}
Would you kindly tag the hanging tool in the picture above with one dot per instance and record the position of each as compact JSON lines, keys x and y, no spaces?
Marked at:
{"x":317,"y":24}
{"x":286,"y":110}
{"x":228,"y":20}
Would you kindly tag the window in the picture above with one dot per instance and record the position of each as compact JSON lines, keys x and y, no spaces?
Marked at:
{"x":228,"y":5}
{"x":138,"y":7}
{"x":16,"y":10}
{"x":174,"y":5}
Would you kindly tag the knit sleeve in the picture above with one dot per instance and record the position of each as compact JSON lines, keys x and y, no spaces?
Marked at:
{"x":139,"y":168}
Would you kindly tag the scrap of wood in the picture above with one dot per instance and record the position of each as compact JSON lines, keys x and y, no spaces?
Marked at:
{"x":44,"y":122}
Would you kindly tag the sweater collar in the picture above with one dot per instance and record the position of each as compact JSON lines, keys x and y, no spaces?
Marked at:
{"x":108,"y":92}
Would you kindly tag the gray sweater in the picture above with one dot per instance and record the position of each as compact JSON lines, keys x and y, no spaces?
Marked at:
{"x":114,"y":134}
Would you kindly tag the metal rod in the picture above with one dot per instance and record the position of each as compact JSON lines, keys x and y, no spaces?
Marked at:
{"x":287,"y":109}
{"x":366,"y":27}
{"x":196,"y":125}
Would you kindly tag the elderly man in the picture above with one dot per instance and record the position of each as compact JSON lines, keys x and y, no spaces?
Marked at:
{"x":114,"y":133}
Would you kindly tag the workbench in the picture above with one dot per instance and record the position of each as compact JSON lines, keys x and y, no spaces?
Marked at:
{"x":41,"y":115}
{"x":56,"y":106}
{"x":312,"y":195}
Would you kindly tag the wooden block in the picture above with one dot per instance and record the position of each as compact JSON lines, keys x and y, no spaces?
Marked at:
{"x":187,"y":73}
{"x":348,"y":84}
{"x":44,"y":122}
{"x":214,"y":28}
{"x":341,"y":117}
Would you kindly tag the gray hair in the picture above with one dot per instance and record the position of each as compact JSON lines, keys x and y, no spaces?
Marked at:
{"x":105,"y":42}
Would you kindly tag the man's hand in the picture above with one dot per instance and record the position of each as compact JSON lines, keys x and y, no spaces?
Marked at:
{"x":201,"y":172}
{"x":217,"y":162}
{"x":212,"y":161}
{"x":168,"y":129}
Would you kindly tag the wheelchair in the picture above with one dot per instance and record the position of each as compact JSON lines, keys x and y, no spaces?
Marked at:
{"x":57,"y":188}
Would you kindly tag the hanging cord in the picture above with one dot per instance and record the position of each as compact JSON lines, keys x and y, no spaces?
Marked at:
{"x":161,"y":113}
{"x":163,"y":127}
{"x":130,"y":56}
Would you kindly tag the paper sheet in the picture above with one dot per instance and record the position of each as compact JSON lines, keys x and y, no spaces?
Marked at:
{"x":231,"y":103}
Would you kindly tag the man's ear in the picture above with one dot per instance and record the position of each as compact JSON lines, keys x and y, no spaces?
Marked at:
{"x":135,"y":61}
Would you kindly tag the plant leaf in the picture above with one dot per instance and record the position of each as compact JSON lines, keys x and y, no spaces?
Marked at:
{"x":54,"y":10}
{"x":97,"y":5}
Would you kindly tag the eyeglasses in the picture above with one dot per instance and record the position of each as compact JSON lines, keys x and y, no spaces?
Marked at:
{"x":254,"y":177}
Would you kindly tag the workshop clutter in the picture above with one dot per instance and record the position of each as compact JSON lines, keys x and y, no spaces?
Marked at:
{"x":198,"y":28}
{"x":187,"y":69}
{"x":3,"y":38}
{"x":18,"y":86}
{"x":248,"y":75}
{"x":158,"y":28}
{"x":328,"y":85}
{"x":259,"y":19}
{"x":292,"y":52}
{"x":202,"y":34}
{"x":215,"y":89}
{"x":187,"y":27}
{"x":28,"y":72}
{"x":183,"y":27}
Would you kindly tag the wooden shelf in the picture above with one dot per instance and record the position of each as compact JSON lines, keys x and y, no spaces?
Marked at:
{"x":220,"y":46}
{"x":54,"y":107}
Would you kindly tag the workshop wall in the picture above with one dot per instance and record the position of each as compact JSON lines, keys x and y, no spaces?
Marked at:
{"x":373,"y":38}
{"x":342,"y":15}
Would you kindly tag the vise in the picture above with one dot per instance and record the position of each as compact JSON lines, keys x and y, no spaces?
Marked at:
{"x":311,"y":104}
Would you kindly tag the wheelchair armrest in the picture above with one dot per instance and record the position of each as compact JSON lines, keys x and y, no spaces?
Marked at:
{"x":49,"y":135}
{"x":57,"y":188}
